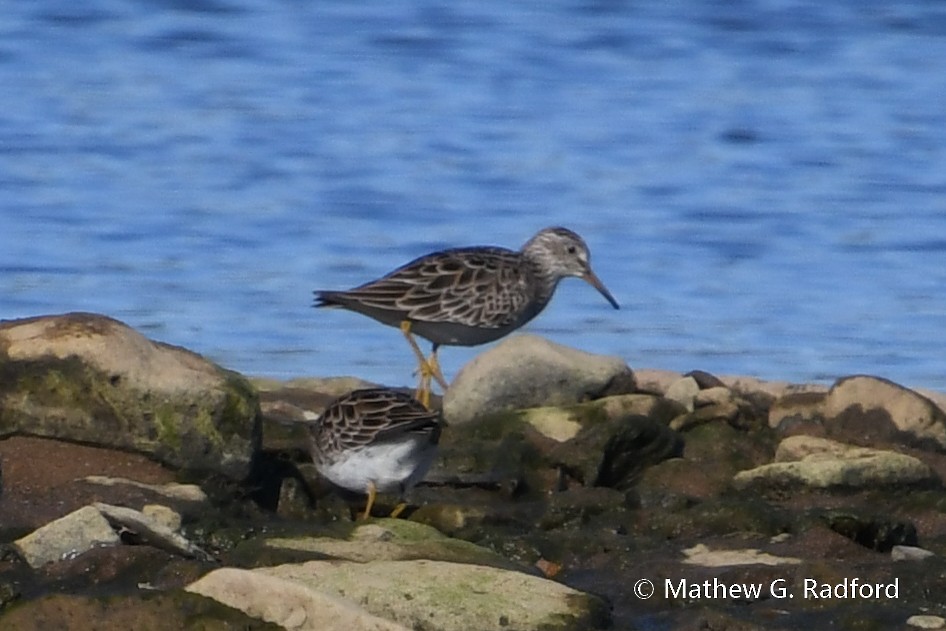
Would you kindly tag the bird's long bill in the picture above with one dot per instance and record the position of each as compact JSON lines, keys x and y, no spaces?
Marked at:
{"x":595,"y":282}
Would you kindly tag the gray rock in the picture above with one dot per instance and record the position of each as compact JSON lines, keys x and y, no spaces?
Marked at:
{"x":92,"y":379}
{"x":288,"y":603}
{"x":425,"y":594}
{"x":528,"y":371}
{"x":862,"y":400}
{"x":66,"y":537}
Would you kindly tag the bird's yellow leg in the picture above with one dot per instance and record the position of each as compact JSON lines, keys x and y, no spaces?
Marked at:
{"x":434,"y":366}
{"x":406,"y":330}
{"x":372,"y":494}
{"x":423,"y":387}
{"x":422,"y":393}
{"x":398,"y":510}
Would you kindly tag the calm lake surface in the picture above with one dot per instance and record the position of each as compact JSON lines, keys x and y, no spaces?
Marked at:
{"x":762,"y":183}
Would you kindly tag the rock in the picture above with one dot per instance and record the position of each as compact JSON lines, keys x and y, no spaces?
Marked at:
{"x":716,"y":395}
{"x":801,"y":446}
{"x":564,"y":423}
{"x":527,"y":371}
{"x":91,"y":379}
{"x":683,"y":391}
{"x":173,"y":491}
{"x":288,"y":603}
{"x":447,"y":596}
{"x":144,"y":528}
{"x":655,"y":381}
{"x":772,"y":390}
{"x":797,"y":407}
{"x":871,"y":405}
{"x":909,"y":553}
{"x":597,"y":443}
{"x":705,"y":380}
{"x":167,"y":517}
{"x":615,"y":452}
{"x":938,"y":398}
{"x":927,"y":622}
{"x":828,"y":464}
{"x":702,"y":555}
{"x":394,"y":540}
{"x":727,"y":412}
{"x":67,"y":536}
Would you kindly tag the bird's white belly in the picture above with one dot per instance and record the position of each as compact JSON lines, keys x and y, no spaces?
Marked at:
{"x":392,"y":467}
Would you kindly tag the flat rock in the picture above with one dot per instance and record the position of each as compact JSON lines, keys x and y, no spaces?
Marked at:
{"x":289,"y":603}
{"x":527,"y":371}
{"x":67,"y":536}
{"x":88,"y":378}
{"x":864,"y":401}
{"x":825,"y":463}
{"x":700,"y":554}
{"x":425,"y":594}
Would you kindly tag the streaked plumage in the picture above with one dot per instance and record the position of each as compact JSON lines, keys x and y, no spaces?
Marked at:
{"x":470,"y":296}
{"x":375,"y":440}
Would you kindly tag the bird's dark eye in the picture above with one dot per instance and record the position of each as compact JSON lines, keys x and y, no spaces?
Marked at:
{"x":571,"y":249}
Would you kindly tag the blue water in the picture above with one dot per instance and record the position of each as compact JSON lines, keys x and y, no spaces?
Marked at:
{"x":762,"y":183}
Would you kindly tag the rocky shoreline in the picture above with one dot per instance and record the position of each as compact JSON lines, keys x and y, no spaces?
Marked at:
{"x":144,"y":487}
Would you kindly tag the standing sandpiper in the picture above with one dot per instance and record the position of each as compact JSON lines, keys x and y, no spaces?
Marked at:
{"x":469,"y":296}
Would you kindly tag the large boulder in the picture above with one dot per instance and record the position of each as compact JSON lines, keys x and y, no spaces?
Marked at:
{"x":419,"y":594}
{"x":878,"y":408}
{"x":88,"y":378}
{"x":529,"y":371}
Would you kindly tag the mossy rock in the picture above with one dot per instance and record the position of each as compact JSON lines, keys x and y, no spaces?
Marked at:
{"x":91,"y":379}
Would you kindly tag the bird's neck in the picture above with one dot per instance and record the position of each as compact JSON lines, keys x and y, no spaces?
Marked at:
{"x":545,"y":282}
